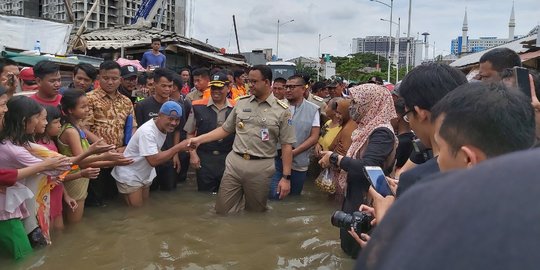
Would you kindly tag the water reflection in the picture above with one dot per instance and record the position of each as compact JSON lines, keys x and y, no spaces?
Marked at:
{"x":180,"y":230}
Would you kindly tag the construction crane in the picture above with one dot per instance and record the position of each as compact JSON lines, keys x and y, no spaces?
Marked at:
{"x":148,"y":10}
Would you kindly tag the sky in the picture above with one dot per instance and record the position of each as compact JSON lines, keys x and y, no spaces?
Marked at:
{"x":346,"y":19}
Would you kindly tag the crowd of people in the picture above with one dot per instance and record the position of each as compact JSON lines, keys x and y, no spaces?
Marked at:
{"x":116,"y":132}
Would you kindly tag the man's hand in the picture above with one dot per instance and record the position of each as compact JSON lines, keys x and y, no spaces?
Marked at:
{"x":284,"y":187}
{"x":380,"y":204}
{"x":370,"y":211}
{"x":99,"y":147}
{"x":194,"y":142}
{"x":194,"y":160}
{"x":120,"y":149}
{"x":176,"y":163}
{"x":91,"y":173}
{"x":393,"y":184}
{"x":325,"y":159}
{"x":361,"y":239}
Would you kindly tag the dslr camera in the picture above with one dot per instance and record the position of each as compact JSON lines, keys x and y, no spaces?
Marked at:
{"x":359,"y":221}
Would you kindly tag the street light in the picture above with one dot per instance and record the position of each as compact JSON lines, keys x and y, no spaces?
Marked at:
{"x":277,"y":42}
{"x":396,"y":49}
{"x":319,"y":54}
{"x":391,"y":6}
{"x":407,"y":60}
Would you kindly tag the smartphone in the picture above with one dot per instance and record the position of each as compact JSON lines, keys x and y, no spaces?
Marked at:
{"x":11,"y":79}
{"x":522,"y":80}
{"x":378,"y":180}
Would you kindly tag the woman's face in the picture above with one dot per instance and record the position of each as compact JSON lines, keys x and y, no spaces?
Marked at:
{"x":34,"y":121}
{"x":330,"y":113}
{"x":354,"y":111}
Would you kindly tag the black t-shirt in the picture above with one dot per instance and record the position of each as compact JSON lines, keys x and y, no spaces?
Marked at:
{"x":149,"y":109}
{"x":404,"y":149}
{"x":485,"y":217}
{"x":412,"y":176}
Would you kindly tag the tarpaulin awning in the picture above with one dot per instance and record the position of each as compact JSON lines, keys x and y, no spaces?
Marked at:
{"x":212,"y":56}
{"x":31,"y":60}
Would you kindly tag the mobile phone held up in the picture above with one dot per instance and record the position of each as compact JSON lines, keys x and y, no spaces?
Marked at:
{"x":522,"y":80}
{"x":378,"y":180}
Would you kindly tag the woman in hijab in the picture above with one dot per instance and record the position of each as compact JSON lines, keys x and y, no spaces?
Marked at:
{"x":373,"y":144}
{"x":341,"y":143}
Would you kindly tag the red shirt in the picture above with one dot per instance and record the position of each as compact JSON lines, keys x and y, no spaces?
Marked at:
{"x":8,"y":177}
{"x":41,"y":101}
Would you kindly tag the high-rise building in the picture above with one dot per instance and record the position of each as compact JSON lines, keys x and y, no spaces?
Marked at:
{"x":379,"y":45}
{"x":170,"y":13}
{"x":464,"y":44}
{"x":20,"y":7}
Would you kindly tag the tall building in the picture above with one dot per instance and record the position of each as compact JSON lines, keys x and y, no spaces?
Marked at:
{"x":170,"y":13}
{"x":379,"y":45}
{"x":464,"y":44}
{"x":20,"y":7}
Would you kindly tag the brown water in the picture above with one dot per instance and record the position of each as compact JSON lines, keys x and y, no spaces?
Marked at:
{"x":180,"y":230}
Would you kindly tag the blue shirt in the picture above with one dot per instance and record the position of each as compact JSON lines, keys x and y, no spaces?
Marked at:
{"x":150,"y":59}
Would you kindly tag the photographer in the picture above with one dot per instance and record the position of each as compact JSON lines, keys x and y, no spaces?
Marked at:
{"x":421,"y":89}
{"x":469,"y":129}
{"x":373,"y":144}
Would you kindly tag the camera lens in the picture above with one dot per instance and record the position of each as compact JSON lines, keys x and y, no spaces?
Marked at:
{"x":341,"y":219}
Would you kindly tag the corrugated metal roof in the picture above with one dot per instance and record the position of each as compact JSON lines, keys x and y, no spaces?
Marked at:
{"x":133,"y":35}
{"x":516,"y":45}
{"x":212,"y":56}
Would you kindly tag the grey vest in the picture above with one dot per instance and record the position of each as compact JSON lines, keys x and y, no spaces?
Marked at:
{"x":303,"y":122}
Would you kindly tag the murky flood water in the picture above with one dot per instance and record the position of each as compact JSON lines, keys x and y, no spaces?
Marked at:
{"x":180,"y":230}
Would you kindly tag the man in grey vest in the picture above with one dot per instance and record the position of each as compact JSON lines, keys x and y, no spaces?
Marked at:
{"x":306,"y":122}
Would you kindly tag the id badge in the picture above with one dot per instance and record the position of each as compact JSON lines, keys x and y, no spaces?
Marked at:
{"x":265,"y":135}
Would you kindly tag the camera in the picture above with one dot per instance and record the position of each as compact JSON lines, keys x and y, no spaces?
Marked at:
{"x":359,"y":221}
{"x":420,"y":149}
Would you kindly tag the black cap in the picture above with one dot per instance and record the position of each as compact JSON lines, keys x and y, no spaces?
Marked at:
{"x":219,"y":79}
{"x":128,"y":71}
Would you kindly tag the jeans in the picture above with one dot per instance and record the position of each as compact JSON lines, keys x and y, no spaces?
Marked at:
{"x":297,"y":180}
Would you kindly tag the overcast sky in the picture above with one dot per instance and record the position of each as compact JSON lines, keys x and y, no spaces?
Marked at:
{"x":346,"y":19}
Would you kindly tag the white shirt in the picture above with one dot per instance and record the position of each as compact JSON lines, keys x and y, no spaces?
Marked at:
{"x":147,"y":141}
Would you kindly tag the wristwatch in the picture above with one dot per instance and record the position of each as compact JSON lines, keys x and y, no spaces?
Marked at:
{"x":286,"y":176}
{"x":334,"y":159}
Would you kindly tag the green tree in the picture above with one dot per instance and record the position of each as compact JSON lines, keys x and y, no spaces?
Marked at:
{"x":303,"y":69}
{"x":360,"y":66}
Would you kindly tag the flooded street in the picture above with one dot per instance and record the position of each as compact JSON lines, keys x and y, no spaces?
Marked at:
{"x":180,"y":230}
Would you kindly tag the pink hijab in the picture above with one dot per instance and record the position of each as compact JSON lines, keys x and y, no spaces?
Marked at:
{"x":376,"y":110}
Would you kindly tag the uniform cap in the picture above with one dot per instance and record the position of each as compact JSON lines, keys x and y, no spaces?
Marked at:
{"x":219,"y":80}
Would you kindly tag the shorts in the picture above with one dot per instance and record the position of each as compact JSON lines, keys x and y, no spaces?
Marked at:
{"x":13,"y":238}
{"x":124,"y":188}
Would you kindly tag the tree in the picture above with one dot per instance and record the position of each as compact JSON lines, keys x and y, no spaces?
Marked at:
{"x":360,"y":66}
{"x":305,"y":70}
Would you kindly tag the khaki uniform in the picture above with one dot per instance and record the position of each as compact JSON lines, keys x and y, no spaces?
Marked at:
{"x":259,"y":128}
{"x":197,"y":95}
{"x":319,"y":101}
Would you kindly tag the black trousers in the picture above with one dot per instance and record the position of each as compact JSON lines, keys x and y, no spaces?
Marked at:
{"x":211,"y":171}
{"x":102,"y":188}
{"x":166,"y":178}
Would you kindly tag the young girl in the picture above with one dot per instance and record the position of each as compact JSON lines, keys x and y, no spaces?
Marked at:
{"x":72,"y":141}
{"x":17,"y":202}
{"x":52,"y":130}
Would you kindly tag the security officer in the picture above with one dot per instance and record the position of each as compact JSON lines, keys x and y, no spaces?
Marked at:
{"x":207,"y":114}
{"x":260,"y":122}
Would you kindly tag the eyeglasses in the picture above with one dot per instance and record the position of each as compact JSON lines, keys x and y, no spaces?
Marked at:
{"x":291,"y":86}
{"x":406,"y":115}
